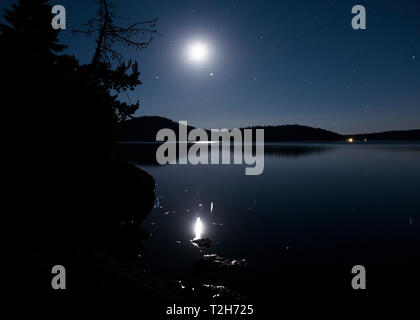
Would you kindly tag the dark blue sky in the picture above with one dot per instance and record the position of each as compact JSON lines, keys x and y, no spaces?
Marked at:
{"x":274,"y":62}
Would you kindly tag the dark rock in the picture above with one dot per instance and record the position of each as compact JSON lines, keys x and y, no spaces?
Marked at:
{"x":127,"y":192}
{"x":220,"y":292}
{"x":212,"y":261}
{"x":202,"y":243}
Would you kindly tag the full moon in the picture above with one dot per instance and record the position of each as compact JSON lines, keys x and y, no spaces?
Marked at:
{"x":198,"y":52}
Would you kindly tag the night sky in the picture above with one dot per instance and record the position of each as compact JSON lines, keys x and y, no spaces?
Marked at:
{"x":273,"y":62}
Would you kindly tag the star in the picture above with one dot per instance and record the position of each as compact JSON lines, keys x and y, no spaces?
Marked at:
{"x":211,"y":74}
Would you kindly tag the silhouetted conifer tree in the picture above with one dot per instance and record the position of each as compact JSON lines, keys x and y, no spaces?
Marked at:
{"x":111,"y":37}
{"x":28,"y":32}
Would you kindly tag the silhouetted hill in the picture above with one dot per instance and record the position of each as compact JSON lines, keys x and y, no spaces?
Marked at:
{"x":145,"y":129}
{"x":296,"y":133}
{"x":389,"y":135}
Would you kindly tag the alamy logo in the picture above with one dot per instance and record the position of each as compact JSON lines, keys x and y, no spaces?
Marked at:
{"x":59,"y":280}
{"x":59,"y":20}
{"x":198,"y":152}
{"x":359,"y":280}
{"x":359,"y":20}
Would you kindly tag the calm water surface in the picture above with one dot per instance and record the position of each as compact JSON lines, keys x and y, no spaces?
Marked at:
{"x":316,"y":211}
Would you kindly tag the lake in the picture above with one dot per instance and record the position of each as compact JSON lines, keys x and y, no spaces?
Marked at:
{"x":317,"y":210}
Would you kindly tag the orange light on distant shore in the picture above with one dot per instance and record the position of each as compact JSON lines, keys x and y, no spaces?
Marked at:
{"x":350,"y":140}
